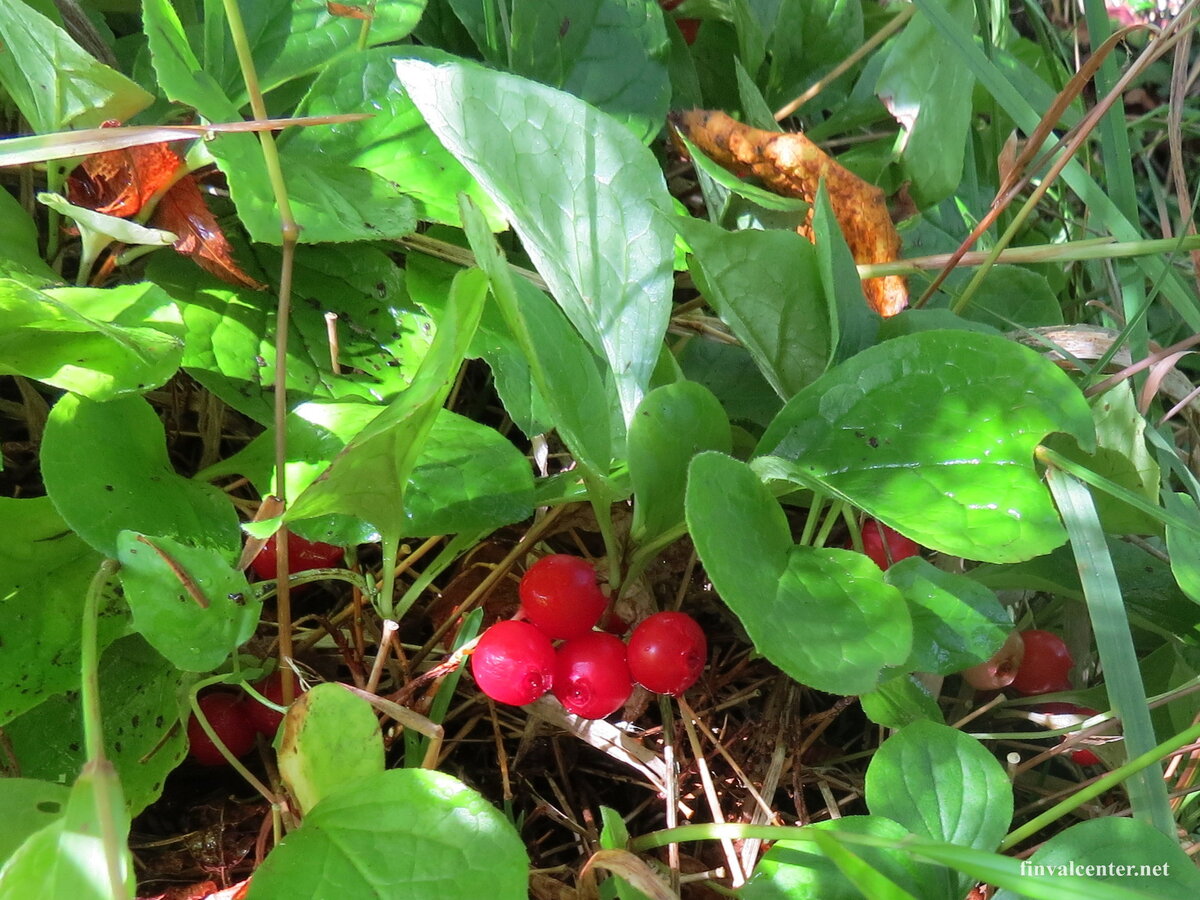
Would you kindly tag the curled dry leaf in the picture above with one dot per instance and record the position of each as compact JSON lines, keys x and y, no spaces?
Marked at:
{"x":793,"y":166}
{"x":123,"y":182}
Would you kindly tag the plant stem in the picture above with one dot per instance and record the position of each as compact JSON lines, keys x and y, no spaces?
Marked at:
{"x":290,"y":233}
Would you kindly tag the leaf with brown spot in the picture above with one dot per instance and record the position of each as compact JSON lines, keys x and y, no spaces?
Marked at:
{"x":793,"y":166}
{"x":182,"y":210}
{"x":346,"y":11}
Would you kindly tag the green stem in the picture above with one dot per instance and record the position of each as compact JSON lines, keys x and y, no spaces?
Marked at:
{"x":601,"y":501}
{"x":1105,"y":783}
{"x":93,"y":729}
{"x":1097,"y":248}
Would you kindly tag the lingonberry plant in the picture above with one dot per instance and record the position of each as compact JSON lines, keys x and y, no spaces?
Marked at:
{"x":1045,"y":666}
{"x":508,"y":275}
{"x":559,"y":595}
{"x":591,"y":675}
{"x":667,"y":652}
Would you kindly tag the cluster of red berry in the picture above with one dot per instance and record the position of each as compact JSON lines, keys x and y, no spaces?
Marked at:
{"x":236,"y":718}
{"x":590,"y":672}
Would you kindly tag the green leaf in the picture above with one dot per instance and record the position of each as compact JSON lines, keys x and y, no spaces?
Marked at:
{"x":1014,"y":296}
{"x":53,"y":81}
{"x":143,"y":736}
{"x":30,"y":805}
{"x":610,"y":54}
{"x":957,"y":623}
{"x":562,"y":367}
{"x":67,"y":858}
{"x":672,"y":424}
{"x":1181,"y":546}
{"x":796,"y":870}
{"x":288,"y":40}
{"x":19,"y":237}
{"x":566,"y":176}
{"x":807,"y":39}
{"x":330,"y":739}
{"x":395,"y":143}
{"x":825,"y":617}
{"x":98,"y":342}
{"x":940,"y":783}
{"x":329,"y":200}
{"x":106,"y":470}
{"x":926,"y":86}
{"x":190,"y":604}
{"x":422,"y":834}
{"x":766,"y":285}
{"x":369,"y":478}
{"x":853,"y":324}
{"x":615,"y":836}
{"x":45,"y":570}
{"x":382,"y":335}
{"x":898,"y":701}
{"x":1155,"y":863}
{"x":964,"y":481}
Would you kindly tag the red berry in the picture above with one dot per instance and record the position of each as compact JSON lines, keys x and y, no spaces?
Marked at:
{"x":1045,"y":666}
{"x":591,"y":676}
{"x":999,"y":671}
{"x":667,"y":652}
{"x":227,"y":717}
{"x":1084,"y":757}
{"x":560,"y":596}
{"x":302,"y":556}
{"x":886,"y":545}
{"x":263,"y":719}
{"x":513,"y":663}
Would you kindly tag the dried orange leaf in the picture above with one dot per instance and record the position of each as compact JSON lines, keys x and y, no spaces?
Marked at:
{"x":793,"y":166}
{"x":119,"y":182}
{"x":348,"y":12}
{"x":182,"y":210}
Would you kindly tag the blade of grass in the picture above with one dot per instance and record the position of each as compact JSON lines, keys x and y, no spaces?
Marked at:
{"x":1114,"y":642}
{"x":1085,"y":187}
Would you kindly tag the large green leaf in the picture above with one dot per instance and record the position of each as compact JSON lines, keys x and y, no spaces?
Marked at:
{"x":957,"y":623}
{"x":1153,"y":862}
{"x":927,"y":87}
{"x":795,"y":870}
{"x":369,"y":477}
{"x":766,"y":286}
{"x":188,"y":602}
{"x":806,"y":39}
{"x":53,"y":81}
{"x":940,"y":783}
{"x":330,"y":201}
{"x":382,"y":335}
{"x":414,"y":833}
{"x":395,"y":143}
{"x":69,"y":857}
{"x":19,"y":237}
{"x":673,"y":423}
{"x":143,"y":738}
{"x":587,"y":199}
{"x":854,"y":325}
{"x":824,"y":616}
{"x":98,"y":342}
{"x":30,"y":805}
{"x":933,"y":433}
{"x":44,"y":573}
{"x":289,"y":39}
{"x":106,"y":470}
{"x":561,"y":367}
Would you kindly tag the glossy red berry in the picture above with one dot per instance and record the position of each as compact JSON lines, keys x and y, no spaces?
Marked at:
{"x":667,"y":652}
{"x":1084,"y":757}
{"x":885,"y":545}
{"x":263,"y":719}
{"x":226,"y":715}
{"x":513,"y":663}
{"x":1045,"y":665}
{"x":560,"y":596}
{"x":591,"y":675}
{"x":302,"y":556}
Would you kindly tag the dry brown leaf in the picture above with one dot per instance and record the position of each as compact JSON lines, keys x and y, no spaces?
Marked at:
{"x":182,"y":211}
{"x":347,"y":11}
{"x":120,"y":182}
{"x":793,"y":166}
